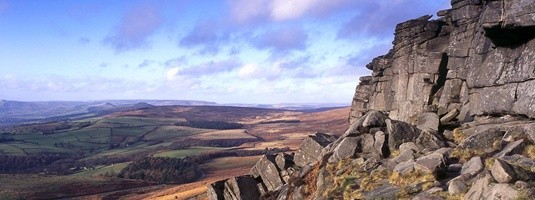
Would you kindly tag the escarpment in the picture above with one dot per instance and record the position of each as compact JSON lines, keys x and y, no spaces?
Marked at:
{"x":447,"y":113}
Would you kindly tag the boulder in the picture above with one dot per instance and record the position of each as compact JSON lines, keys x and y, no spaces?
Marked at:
{"x":502,"y":172}
{"x":215,"y":190}
{"x":449,"y":116}
{"x":502,"y":191}
{"x":480,"y":188}
{"x":430,"y":140}
{"x":523,"y":167}
{"x":374,"y":119}
{"x":488,"y":141}
{"x":457,"y":186}
{"x":428,"y":121}
{"x":511,"y":148}
{"x":267,"y":169}
{"x":406,"y":152}
{"x":241,"y":188}
{"x":311,"y":148}
{"x":434,"y":163}
{"x":380,"y":143}
{"x":284,"y":161}
{"x":473,"y":166}
{"x":384,"y":192}
{"x":405,"y":167}
{"x":400,"y":132}
{"x":348,"y":148}
{"x":457,"y":167}
{"x":367,"y":142}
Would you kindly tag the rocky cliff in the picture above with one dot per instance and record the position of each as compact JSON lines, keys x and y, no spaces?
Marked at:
{"x":448,"y":113}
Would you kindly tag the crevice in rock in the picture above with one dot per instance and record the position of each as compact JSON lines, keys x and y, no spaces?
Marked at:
{"x":442,"y":76}
{"x":510,"y":37}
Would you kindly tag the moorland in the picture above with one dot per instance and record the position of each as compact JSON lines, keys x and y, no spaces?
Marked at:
{"x":150,"y":151}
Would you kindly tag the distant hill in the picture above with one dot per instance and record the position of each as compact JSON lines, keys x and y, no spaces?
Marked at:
{"x":17,"y":112}
{"x":20,"y":112}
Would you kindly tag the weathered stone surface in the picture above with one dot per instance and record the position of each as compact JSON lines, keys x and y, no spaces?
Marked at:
{"x":480,"y":187}
{"x":284,"y":161}
{"x":400,"y":132}
{"x":454,"y":167}
{"x":512,"y":148}
{"x":267,"y":169}
{"x":523,"y":167}
{"x":428,"y":120}
{"x":473,"y":166}
{"x":348,"y":148}
{"x":433,"y":163}
{"x":383,"y":192}
{"x":486,"y":142}
{"x":430,"y":140}
{"x":374,"y":119}
{"x":241,"y":188}
{"x":310,"y":150}
{"x":502,"y":172}
{"x":405,"y":167}
{"x":502,"y":191}
{"x":457,"y":186}
{"x":380,"y":143}
{"x":215,"y":190}
{"x":367,"y":142}
{"x":406,"y":152}
{"x":449,"y":116}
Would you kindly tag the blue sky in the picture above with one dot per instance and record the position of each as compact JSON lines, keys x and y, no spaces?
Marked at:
{"x":227,"y":51}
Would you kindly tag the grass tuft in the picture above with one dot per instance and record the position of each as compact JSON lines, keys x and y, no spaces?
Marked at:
{"x":458,"y":135}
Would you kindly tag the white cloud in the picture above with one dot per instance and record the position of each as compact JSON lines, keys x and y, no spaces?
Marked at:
{"x":287,"y":9}
{"x":172,"y":73}
{"x":249,"y":71}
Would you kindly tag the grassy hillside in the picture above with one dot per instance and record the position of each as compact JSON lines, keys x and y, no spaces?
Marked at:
{"x":95,"y":150}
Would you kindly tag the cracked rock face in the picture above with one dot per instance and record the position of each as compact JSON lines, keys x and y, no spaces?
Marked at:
{"x":478,"y":58}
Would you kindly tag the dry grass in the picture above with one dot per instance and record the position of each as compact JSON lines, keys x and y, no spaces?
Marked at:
{"x":416,"y":177}
{"x":465,"y":154}
{"x":529,"y":151}
{"x":311,"y":180}
{"x":448,"y":196}
{"x":458,"y":135}
{"x":394,"y":154}
{"x":489,"y":162}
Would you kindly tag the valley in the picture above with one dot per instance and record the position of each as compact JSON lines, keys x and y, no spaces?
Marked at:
{"x":212,"y":142}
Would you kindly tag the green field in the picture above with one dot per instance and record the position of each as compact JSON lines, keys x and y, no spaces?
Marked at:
{"x":188,"y":152}
{"x":102,"y":171}
{"x":106,"y":136}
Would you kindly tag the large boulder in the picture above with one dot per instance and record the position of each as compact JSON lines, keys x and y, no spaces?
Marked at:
{"x":241,"y":188}
{"x":473,"y":166}
{"x":487,"y":142}
{"x":374,"y":119}
{"x":400,"y":132}
{"x":428,"y":120}
{"x":347,"y":148}
{"x":434,"y":163}
{"x":310,"y":150}
{"x":502,"y":172}
{"x":267,"y":169}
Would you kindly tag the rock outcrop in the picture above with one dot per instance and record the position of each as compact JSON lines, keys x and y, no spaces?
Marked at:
{"x":448,"y":113}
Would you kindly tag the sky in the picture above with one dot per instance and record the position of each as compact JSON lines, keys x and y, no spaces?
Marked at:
{"x":226,"y":51}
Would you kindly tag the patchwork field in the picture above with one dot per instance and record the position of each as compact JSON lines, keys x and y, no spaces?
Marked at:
{"x":224,"y":141}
